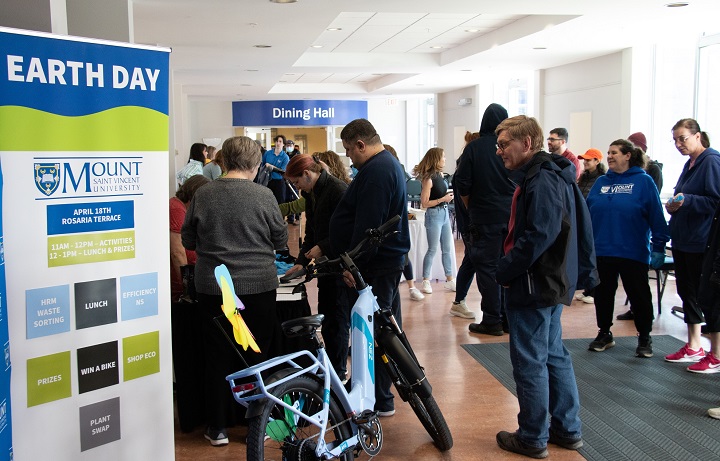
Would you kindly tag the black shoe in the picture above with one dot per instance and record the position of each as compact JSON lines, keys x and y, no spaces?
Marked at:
{"x":217,"y":437}
{"x":626,"y":316}
{"x":644,"y":348}
{"x":509,"y":441}
{"x":604,"y":340}
{"x":494,"y":330}
{"x":565,"y":442}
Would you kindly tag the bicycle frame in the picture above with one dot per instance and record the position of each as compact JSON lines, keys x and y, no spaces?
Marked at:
{"x":361,"y":396}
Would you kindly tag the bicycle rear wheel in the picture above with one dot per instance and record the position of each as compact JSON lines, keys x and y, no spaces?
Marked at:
{"x":277,"y":434}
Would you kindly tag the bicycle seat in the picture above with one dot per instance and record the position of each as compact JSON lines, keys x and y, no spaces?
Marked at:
{"x":303,"y":326}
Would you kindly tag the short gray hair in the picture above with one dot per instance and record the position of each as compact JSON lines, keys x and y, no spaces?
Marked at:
{"x":240,"y":153}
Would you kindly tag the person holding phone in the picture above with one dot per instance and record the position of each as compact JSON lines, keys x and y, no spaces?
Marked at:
{"x":435,"y":197}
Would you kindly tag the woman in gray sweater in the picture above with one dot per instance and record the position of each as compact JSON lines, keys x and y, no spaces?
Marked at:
{"x":235,"y":222}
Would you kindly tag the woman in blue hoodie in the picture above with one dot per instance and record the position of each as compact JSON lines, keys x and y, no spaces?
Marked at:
{"x":697,"y":194}
{"x":625,"y":210}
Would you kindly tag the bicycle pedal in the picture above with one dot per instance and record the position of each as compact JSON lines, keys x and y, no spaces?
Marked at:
{"x":365,"y":417}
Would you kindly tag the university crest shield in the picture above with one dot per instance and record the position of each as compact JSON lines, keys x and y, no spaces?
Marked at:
{"x":47,"y":177}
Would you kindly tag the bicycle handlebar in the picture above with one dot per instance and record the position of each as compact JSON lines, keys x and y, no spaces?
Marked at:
{"x":374,"y":237}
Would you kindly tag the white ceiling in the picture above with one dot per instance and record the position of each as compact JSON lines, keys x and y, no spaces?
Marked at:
{"x":386,"y":47}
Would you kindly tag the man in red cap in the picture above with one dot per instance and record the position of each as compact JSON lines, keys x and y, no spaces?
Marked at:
{"x":593,"y":169}
{"x":653,"y":168}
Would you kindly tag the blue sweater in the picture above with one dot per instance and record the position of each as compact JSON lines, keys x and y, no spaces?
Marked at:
{"x":375,"y":195}
{"x":625,"y":209}
{"x":700,"y":185}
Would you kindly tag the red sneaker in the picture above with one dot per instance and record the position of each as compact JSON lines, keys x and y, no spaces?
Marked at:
{"x":685,"y":354}
{"x":709,"y":364}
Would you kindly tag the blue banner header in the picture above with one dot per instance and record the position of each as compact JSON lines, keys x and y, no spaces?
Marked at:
{"x":74,"y":78}
{"x":297,"y":113}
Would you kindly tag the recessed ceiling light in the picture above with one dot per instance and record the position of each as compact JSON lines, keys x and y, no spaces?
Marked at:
{"x":245,"y":84}
{"x":472,"y":30}
{"x":436,"y":47}
{"x":334,"y":29}
{"x":465,"y":70}
{"x":251,"y":70}
{"x":362,"y":81}
{"x":283,"y":1}
{"x":677,"y":4}
{"x":262,"y":46}
{"x":317,"y":46}
{"x":289,"y":74}
{"x":539,"y":48}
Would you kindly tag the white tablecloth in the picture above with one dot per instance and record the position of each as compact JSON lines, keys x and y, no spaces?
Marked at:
{"x":418,"y":248}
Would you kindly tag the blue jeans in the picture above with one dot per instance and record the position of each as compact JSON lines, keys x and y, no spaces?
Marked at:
{"x":437,"y":227}
{"x":544,"y":376}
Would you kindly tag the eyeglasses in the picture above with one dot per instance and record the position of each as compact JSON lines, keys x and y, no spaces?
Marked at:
{"x":554,"y":139}
{"x":501,"y":146}
{"x":682,"y":138}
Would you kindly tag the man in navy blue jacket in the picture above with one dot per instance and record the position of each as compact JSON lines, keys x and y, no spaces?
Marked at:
{"x":376,"y":194}
{"x":548,"y":252}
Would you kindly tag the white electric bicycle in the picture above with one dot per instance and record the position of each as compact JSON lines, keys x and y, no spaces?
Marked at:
{"x":304,"y":412}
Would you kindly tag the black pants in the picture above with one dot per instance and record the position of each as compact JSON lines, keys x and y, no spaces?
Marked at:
{"x":220,"y":357}
{"x":484,"y":254}
{"x":336,"y":324}
{"x":687,"y":279}
{"x":277,"y":186}
{"x":634,"y":276}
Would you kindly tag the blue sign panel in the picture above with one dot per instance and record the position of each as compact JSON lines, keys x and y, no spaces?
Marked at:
{"x":297,"y":113}
{"x":74,"y":218}
{"x":72,"y":77}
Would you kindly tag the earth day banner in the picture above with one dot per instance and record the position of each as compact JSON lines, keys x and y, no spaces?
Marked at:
{"x":83,"y":151}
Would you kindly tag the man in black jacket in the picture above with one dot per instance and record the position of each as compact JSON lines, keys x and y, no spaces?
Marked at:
{"x":482,"y":182}
{"x":548,"y":252}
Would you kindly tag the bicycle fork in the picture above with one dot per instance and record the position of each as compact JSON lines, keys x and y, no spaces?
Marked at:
{"x":392,"y":347}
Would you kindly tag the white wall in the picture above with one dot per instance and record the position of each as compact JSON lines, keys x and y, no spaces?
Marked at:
{"x":454,"y":119}
{"x":389,"y":117}
{"x":595,"y":86}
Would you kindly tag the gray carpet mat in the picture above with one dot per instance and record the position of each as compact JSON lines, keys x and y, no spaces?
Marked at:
{"x":631,"y":408}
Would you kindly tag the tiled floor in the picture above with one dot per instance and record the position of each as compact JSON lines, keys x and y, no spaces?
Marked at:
{"x":475,"y":405}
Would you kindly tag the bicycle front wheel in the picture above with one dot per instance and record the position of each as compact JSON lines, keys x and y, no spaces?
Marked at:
{"x":277,"y":434}
{"x":432,"y":419}
{"x":402,"y":367}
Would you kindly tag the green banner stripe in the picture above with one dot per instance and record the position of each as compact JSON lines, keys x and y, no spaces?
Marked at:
{"x":127,"y":128}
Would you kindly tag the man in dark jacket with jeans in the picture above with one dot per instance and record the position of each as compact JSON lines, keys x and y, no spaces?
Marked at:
{"x":548,"y":253}
{"x":375,"y":195}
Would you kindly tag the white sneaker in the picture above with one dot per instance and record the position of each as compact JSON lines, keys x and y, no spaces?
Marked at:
{"x":426,"y":287}
{"x":450,"y":285}
{"x":588,"y":300}
{"x":415,"y":294}
{"x":579,"y":296}
{"x":714,"y":413}
{"x":461,"y":310}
